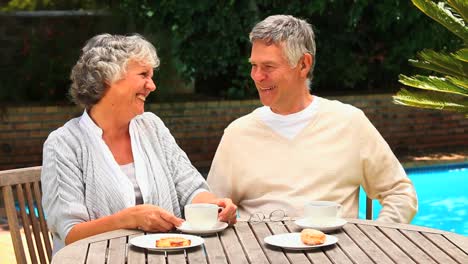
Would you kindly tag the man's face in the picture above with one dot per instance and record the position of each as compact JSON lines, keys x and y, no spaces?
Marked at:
{"x":279,"y":85}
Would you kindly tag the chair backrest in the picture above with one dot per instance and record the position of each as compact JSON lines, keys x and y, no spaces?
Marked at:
{"x":369,"y":208}
{"x":22,"y":196}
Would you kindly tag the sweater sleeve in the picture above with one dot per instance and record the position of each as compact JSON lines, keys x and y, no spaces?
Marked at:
{"x":384,"y":177}
{"x":62,"y":187}
{"x":188,"y":181}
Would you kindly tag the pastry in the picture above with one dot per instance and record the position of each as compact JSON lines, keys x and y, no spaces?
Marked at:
{"x":312,"y":237}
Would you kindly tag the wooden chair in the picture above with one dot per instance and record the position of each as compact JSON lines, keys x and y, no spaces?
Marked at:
{"x":369,"y":208}
{"x":25,"y":183}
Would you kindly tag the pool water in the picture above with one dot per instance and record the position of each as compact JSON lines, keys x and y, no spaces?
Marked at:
{"x":442,"y":194}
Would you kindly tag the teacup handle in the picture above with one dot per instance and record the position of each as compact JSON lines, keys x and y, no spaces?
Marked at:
{"x":340,"y":210}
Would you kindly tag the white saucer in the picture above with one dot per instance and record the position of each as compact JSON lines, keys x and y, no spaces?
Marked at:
{"x":186,"y":228}
{"x":306,"y":223}
{"x":149,"y":241}
{"x":293,"y":241}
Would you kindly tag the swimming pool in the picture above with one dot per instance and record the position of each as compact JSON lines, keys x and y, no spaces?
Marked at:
{"x":442,"y":194}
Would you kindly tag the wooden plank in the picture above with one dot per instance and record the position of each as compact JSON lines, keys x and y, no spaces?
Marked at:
{"x":407,"y":246}
{"x":156,"y":257}
{"x":214,"y":250}
{"x":460,"y":241}
{"x":26,"y":223}
{"x":97,"y":252}
{"x":135,"y":254}
{"x":35,"y":224}
{"x":251,"y":246}
{"x":351,"y":249}
{"x":364,"y":242}
{"x":392,"y":250}
{"x":232,"y":246}
{"x":13,"y":223}
{"x":315,"y":256}
{"x":176,"y":257}
{"x":73,"y":253}
{"x":449,"y":248}
{"x":44,"y":229}
{"x":117,"y":250}
{"x":428,"y":247}
{"x":395,"y":226}
{"x":274,"y":254}
{"x":18,"y":176}
{"x":294,"y":256}
{"x":197,"y":255}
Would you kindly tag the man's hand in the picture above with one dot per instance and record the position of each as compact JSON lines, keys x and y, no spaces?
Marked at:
{"x":229,"y":212}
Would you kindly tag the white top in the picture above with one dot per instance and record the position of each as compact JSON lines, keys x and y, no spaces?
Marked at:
{"x":290,"y":125}
{"x":129,"y":170}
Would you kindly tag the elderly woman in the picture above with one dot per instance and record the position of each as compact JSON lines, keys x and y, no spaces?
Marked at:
{"x":117,"y":166}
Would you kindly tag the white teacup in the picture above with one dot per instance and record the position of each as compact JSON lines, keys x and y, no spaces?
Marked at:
{"x":322,"y":212}
{"x":201,"y":215}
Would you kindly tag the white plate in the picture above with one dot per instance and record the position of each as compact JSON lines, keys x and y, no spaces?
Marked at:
{"x":306,"y":223}
{"x":186,"y":228}
{"x":149,"y":241}
{"x":293,"y":241}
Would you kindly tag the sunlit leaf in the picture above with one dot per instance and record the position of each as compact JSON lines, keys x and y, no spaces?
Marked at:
{"x":433,"y":83}
{"x":426,"y":100}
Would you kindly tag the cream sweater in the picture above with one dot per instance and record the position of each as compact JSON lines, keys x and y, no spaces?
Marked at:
{"x":338,"y":151}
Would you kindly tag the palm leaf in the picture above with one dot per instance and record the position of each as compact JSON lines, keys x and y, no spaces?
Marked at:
{"x":433,"y":83}
{"x":442,"y":63}
{"x":426,"y":100}
{"x":443,"y":14}
{"x":461,"y":54}
{"x":461,"y":82}
{"x":461,"y":6}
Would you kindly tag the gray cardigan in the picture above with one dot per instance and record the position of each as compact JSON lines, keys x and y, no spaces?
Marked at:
{"x":81,"y":181}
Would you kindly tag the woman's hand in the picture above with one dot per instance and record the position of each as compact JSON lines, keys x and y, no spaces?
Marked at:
{"x":229,"y":212}
{"x":152,"y":218}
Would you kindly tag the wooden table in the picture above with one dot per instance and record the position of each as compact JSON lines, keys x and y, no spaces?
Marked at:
{"x":360,"y":241}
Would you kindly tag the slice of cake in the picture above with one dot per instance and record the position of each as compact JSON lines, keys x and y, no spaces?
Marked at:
{"x":168,"y":242}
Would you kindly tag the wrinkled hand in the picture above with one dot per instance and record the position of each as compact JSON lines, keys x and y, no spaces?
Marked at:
{"x":229,"y":212}
{"x":152,"y":218}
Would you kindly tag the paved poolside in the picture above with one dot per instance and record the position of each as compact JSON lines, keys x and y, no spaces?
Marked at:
{"x":7,"y":254}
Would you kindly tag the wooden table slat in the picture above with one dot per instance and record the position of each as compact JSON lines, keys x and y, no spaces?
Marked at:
{"x":252,"y":248}
{"x":135,"y":254}
{"x":406,"y":245}
{"x":449,"y":248}
{"x":392,"y":250}
{"x":273,"y":254}
{"x":315,"y":256}
{"x":460,"y":241}
{"x":214,"y":249}
{"x":117,"y":250}
{"x":197,"y":255}
{"x":97,"y":252}
{"x":350,"y":248}
{"x":176,"y":257}
{"x":365,"y":242}
{"x":155,"y":257}
{"x":232,"y":246}
{"x":427,"y":246}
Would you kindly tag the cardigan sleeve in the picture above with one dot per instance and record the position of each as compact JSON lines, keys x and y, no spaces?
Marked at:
{"x":62,"y":186}
{"x":384,"y":177}
{"x":188,"y":181}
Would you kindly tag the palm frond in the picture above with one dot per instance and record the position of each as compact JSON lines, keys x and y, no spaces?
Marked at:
{"x":443,"y":14}
{"x":461,"y":6}
{"x":440,"y":62}
{"x":461,"y":82}
{"x":426,"y":100}
{"x":461,"y":54}
{"x":433,"y":83}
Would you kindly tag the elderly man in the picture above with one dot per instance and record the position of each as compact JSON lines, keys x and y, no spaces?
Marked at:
{"x":299,"y":147}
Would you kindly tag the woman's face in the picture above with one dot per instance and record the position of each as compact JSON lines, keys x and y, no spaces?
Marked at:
{"x":127,"y":96}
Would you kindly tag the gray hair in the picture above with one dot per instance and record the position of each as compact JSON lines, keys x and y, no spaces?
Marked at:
{"x":296,"y":35}
{"x":104,"y":60}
